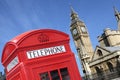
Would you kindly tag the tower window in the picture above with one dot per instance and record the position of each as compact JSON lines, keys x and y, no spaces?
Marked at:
{"x":110,"y":66}
{"x":99,"y":52}
{"x":98,"y":70}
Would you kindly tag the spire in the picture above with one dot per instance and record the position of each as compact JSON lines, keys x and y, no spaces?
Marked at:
{"x":74,"y":15}
{"x":117,"y":15}
{"x":116,"y":11}
{"x":72,"y":10}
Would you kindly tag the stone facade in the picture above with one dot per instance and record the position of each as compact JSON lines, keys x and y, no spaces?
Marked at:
{"x":109,"y":38}
{"x":104,"y":62}
{"x":106,"y":57}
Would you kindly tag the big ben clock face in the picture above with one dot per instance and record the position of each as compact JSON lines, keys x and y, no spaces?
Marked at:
{"x":74,"y":31}
{"x":83,"y":29}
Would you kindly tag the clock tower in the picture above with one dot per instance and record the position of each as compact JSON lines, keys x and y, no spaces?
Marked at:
{"x":82,"y":40}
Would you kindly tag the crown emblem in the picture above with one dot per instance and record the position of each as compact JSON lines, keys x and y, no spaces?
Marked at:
{"x":43,"y":37}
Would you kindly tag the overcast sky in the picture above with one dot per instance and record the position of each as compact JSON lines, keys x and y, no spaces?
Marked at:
{"x":18,"y":16}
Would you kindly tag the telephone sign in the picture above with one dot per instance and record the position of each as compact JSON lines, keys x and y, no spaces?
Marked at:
{"x":45,"y":52}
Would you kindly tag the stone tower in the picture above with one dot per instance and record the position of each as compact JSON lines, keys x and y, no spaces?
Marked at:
{"x":81,"y":40}
{"x":80,"y":35}
{"x":117,"y":15}
{"x":110,"y":37}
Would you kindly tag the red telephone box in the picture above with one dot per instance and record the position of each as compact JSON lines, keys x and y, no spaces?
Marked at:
{"x":40,"y":55}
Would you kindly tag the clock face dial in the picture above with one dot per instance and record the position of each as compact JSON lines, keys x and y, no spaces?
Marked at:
{"x":75,"y":31}
{"x":83,"y":29}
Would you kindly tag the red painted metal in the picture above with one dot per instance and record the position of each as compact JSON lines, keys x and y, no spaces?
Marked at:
{"x":40,"y":54}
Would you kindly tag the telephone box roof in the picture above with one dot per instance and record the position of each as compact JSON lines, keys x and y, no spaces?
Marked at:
{"x":32,"y":38}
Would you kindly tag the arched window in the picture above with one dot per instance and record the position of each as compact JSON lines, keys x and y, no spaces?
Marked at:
{"x":98,"y":70}
{"x":99,"y":52}
{"x":100,"y":73}
{"x":110,"y":66}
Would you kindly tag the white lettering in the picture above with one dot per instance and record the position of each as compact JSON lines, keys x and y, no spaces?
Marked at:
{"x":45,"y":52}
{"x":12,"y":64}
